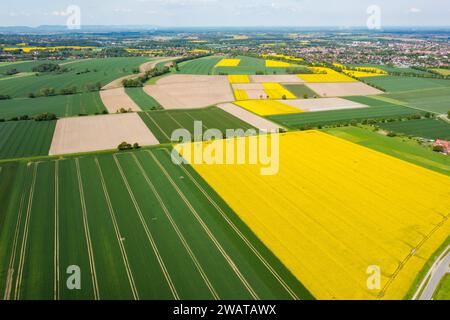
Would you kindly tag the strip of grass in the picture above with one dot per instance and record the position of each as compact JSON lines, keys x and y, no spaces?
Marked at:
{"x":426,"y":128}
{"x":402,"y":148}
{"x":300,"y":90}
{"x":62,"y":106}
{"x":143,"y":100}
{"x":377,"y":110}
{"x":138,"y":226}
{"x":443,"y":291}
{"x":163,"y":123}
{"x":25,"y":138}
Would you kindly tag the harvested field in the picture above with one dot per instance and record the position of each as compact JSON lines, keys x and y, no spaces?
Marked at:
{"x":190,"y":91}
{"x":267,"y":107}
{"x":164,"y":123}
{"x":341,"y":89}
{"x":116,"y":99}
{"x":338,"y":204}
{"x":85,"y":134}
{"x":138,"y":226}
{"x":25,"y":138}
{"x":251,"y":118}
{"x":324,"y":104}
{"x":276,"y":78}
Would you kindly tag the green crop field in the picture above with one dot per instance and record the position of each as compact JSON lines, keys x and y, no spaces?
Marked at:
{"x":378,"y":109}
{"x":62,"y":106}
{"x":199,"y":66}
{"x":136,"y":226}
{"x":143,"y":100}
{"x":251,"y":65}
{"x":163,"y":123}
{"x":434,"y":100}
{"x":397,"y":84}
{"x":248,"y":65}
{"x":23,"y":66}
{"x":402,"y":148}
{"x":25,"y":138}
{"x":427,"y":128}
{"x":79,"y":75}
{"x":299,"y":90}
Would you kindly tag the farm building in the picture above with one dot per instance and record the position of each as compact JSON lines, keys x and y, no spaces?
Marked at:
{"x":444,"y":144}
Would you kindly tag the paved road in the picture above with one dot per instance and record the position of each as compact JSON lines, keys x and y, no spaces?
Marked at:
{"x":434,"y":276}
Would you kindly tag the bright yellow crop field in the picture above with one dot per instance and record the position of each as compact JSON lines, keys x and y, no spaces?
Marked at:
{"x":361,"y":74}
{"x":277,"y":64}
{"x":240,"y":94}
{"x":444,"y":72}
{"x":277,"y":91}
{"x":267,"y":107}
{"x":228,"y":63}
{"x":238,"y":79}
{"x":335,"y":208}
{"x":325,"y":75}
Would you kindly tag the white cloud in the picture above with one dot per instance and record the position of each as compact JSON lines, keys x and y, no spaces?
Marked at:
{"x":415,"y":10}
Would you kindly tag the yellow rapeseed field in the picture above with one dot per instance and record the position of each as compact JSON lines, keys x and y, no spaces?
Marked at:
{"x":228,"y":63}
{"x":277,"y":91}
{"x":360,"y":72}
{"x":238,"y":79}
{"x":322,"y":74}
{"x":240,"y":94}
{"x":267,"y":107}
{"x":277,"y":64}
{"x":336,"y":210}
{"x":52,"y":49}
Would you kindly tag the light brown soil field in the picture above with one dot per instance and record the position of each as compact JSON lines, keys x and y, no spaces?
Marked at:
{"x":190,"y":91}
{"x":341,"y":89}
{"x":115,"y":99}
{"x":323,"y":104}
{"x":281,"y":78}
{"x":85,"y":134}
{"x":143,"y":68}
{"x":253,"y":90}
{"x":251,"y":118}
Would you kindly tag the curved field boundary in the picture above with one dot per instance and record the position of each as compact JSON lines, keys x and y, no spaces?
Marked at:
{"x":143,"y":68}
{"x":117,"y":99}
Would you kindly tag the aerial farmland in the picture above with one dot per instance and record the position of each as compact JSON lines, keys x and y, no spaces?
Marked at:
{"x":220,"y":164}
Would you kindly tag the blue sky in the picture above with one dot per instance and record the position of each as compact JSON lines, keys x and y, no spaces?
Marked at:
{"x":344,"y":13}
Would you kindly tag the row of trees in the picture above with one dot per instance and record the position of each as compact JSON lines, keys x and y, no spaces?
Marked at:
{"x":48,"y":92}
{"x":47,"y":116}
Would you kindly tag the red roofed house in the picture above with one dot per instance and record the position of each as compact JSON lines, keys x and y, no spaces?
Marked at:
{"x":444,"y":144}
